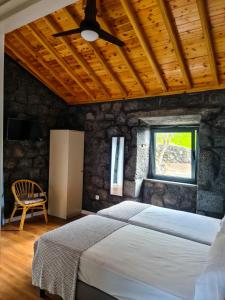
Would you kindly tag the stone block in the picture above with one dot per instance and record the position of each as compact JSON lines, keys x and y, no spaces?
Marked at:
{"x":33,"y":99}
{"x":132,"y":122}
{"x":24,"y":163}
{"x":127,"y":136}
{"x":32,"y":152}
{"x":43,"y":174}
{"x":159,"y":187}
{"x":157,"y":200}
{"x":131,"y":106}
{"x":100,"y":116}
{"x":34,"y":174}
{"x":113,"y":131}
{"x":117,"y":107}
{"x":217,"y":98}
{"x":21,"y":96}
{"x":39,"y":162}
{"x":210,"y":202}
{"x":142,"y":162}
{"x":109,"y":116}
{"x":106,"y":106}
{"x":143,"y":136}
{"x":129,"y":189}
{"x":220,"y":121}
{"x":130,"y":166}
{"x":121,"y":119}
{"x":103,"y":195}
{"x":170,"y":199}
{"x":19,"y":174}
{"x":90,"y":116}
{"x":18,"y":151}
{"x":209,"y":163}
{"x":97,"y":182}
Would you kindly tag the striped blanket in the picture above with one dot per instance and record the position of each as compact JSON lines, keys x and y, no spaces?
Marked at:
{"x":57,"y":253}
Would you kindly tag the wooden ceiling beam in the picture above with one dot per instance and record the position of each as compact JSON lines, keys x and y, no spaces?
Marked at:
{"x":98,"y":55}
{"x":124,"y":57}
{"x":202,"y":9}
{"x":33,"y":70}
{"x":143,"y":41}
{"x":42,"y":40}
{"x":76,"y":55}
{"x":221,"y":86}
{"x":17,"y":35}
{"x":173,"y":34}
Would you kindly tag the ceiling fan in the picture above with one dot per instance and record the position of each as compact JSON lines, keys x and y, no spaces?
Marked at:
{"x":90,"y":29}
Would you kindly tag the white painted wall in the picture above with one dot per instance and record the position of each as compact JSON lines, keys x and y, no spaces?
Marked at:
{"x":27,"y":14}
{"x":1,"y":119}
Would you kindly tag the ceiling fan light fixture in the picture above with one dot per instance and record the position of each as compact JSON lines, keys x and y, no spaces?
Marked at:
{"x":89,"y":35}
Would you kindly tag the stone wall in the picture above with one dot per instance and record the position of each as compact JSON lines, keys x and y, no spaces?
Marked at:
{"x":211,"y":175}
{"x":26,"y":98}
{"x":170,"y":195}
{"x":122,"y":118}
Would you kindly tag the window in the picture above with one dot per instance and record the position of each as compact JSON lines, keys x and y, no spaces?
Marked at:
{"x":174,"y":152}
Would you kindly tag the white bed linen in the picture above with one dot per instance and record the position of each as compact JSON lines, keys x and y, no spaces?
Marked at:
{"x":135,"y":263}
{"x":211,"y":284}
{"x":191,"y":226}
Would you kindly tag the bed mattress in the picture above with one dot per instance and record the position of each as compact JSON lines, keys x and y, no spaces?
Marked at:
{"x":190,"y":226}
{"x":137,"y":263}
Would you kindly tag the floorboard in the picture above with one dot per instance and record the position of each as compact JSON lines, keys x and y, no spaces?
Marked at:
{"x":16,"y":253}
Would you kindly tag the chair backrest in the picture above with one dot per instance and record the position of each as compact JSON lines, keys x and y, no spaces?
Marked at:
{"x":25,"y":188}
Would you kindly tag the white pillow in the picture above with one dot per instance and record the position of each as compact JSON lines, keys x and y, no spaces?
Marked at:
{"x":211,"y":283}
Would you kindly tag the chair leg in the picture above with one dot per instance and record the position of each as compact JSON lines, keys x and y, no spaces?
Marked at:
{"x":13,"y":213}
{"x":23,"y":217}
{"x":45,"y":214}
{"x":32,"y":213}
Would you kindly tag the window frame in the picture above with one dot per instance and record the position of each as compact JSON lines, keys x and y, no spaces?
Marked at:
{"x":194,"y":153}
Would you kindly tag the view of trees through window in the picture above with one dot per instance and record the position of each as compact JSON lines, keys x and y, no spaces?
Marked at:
{"x":173,"y":154}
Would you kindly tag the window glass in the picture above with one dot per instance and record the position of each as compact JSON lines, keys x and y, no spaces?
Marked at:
{"x":174,"y":154}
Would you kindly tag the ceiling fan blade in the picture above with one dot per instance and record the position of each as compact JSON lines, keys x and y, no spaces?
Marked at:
{"x":110,"y":38}
{"x":90,"y":10}
{"x":68,"y":32}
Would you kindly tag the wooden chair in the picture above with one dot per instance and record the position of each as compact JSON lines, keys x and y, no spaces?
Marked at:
{"x":28,"y":195}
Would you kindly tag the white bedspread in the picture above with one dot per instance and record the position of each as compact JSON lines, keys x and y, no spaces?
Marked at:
{"x":190,"y":226}
{"x":194,"y":227}
{"x":135,"y":263}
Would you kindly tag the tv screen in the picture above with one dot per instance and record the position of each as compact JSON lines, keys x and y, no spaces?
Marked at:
{"x":18,"y":129}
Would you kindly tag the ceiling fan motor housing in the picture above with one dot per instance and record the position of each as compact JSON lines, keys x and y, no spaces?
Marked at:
{"x":89,"y":30}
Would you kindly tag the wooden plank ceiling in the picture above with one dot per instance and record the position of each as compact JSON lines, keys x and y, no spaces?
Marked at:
{"x":171,"y":46}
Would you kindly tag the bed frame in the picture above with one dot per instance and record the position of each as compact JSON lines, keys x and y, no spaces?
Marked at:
{"x":85,"y":291}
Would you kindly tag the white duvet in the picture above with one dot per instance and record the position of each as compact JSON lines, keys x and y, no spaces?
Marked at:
{"x":194,"y":227}
{"x":211,"y":284}
{"x":190,"y":226}
{"x":136,"y":263}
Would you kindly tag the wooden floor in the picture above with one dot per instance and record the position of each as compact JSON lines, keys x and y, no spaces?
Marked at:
{"x":16,"y":254}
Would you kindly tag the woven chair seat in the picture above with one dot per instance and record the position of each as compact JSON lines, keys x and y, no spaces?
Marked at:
{"x":32,"y":201}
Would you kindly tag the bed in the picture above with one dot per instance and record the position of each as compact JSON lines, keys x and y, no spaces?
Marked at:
{"x":137,"y":263}
{"x":190,"y":226}
{"x":117,"y":261}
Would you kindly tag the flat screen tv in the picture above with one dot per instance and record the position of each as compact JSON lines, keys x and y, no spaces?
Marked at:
{"x":21,"y":130}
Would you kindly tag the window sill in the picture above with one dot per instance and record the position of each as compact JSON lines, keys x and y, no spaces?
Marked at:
{"x":171,"y":182}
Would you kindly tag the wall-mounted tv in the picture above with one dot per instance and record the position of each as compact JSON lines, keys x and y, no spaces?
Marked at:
{"x":21,"y":130}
